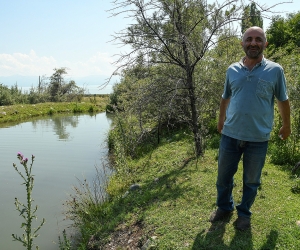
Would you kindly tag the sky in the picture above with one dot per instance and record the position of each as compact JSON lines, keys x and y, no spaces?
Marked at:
{"x":40,"y":35}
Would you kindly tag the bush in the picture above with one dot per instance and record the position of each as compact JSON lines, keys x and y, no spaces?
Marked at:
{"x":5,"y":96}
{"x":285,"y":152}
{"x":214,"y":141}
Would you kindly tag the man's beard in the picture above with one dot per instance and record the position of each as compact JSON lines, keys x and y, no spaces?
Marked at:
{"x":253,"y":54}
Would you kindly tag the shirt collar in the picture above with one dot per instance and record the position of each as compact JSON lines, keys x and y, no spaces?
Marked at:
{"x":263,"y":62}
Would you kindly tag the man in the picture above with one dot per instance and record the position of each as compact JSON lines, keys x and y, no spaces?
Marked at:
{"x":245,"y":121}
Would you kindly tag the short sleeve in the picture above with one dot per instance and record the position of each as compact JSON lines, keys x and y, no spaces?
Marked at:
{"x":280,"y":87}
{"x":227,"y":90}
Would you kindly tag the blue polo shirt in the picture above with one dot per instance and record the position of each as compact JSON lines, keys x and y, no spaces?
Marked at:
{"x":250,"y":113}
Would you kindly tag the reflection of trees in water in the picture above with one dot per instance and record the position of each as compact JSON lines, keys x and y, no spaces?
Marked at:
{"x":59,"y":124}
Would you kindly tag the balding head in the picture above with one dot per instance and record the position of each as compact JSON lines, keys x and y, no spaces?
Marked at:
{"x":255,"y":28}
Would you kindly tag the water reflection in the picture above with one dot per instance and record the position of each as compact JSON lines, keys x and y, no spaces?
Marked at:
{"x":60,"y":124}
{"x":66,"y":148}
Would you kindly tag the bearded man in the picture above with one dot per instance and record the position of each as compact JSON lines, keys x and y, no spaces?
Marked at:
{"x":245,"y":122}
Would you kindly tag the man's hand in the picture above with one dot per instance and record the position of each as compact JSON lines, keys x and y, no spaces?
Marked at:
{"x":220,"y":126}
{"x":284,"y":132}
{"x":223,"y":106}
{"x":284,"y":109}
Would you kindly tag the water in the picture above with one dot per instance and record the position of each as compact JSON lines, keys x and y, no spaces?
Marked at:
{"x":65,"y":148}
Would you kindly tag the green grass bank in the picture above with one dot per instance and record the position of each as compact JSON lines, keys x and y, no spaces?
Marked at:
{"x":176,"y":195}
{"x":20,"y":112}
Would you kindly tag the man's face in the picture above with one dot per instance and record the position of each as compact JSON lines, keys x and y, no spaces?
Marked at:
{"x":254,"y":43}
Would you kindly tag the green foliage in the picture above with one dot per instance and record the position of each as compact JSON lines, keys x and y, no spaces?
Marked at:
{"x":285,"y":152}
{"x":55,"y":90}
{"x":64,"y":242}
{"x":51,"y":111}
{"x":5,"y":96}
{"x":10,"y":96}
{"x":91,"y":109}
{"x":213,"y":142}
{"x":17,"y":113}
{"x":60,"y":90}
{"x":296,"y":186}
{"x":86,"y":207}
{"x":288,"y":152}
{"x":26,"y":210}
{"x":77,"y":108}
{"x":125,"y":136}
{"x":284,"y":33}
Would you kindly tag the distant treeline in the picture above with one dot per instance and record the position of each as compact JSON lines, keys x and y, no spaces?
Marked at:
{"x":53,"y":89}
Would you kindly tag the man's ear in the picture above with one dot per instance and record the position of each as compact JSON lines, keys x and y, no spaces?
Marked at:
{"x":266,"y":44}
{"x":242,"y":44}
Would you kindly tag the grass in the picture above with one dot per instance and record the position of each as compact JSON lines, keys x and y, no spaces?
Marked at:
{"x":19,"y":112}
{"x":176,"y":197}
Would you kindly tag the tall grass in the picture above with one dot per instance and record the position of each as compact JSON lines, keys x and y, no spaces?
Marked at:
{"x":85,"y":205}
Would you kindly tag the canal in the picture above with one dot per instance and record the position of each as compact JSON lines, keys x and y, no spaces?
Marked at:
{"x":66,"y":148}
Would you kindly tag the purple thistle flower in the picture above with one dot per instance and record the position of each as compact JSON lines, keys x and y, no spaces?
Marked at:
{"x":20,"y":156}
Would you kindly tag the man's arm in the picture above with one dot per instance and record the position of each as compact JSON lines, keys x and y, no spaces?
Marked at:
{"x":223,"y":106}
{"x":284,"y":109}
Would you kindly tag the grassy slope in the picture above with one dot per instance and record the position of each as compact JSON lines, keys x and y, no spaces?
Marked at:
{"x":178,"y":194}
{"x":19,"y":112}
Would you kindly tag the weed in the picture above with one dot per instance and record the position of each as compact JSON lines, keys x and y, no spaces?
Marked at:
{"x":26,"y":210}
{"x":86,"y":203}
{"x":64,"y":243}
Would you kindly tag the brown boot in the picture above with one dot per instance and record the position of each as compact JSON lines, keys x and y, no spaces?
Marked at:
{"x":242,"y":223}
{"x":219,"y":215}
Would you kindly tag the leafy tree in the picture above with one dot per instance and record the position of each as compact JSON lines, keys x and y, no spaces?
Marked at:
{"x":284,"y":33}
{"x":61,"y":90}
{"x":56,"y":82}
{"x":251,"y":17}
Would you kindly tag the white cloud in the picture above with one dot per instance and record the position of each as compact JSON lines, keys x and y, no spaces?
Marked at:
{"x":25,"y":64}
{"x":98,"y":64}
{"x":33,"y":64}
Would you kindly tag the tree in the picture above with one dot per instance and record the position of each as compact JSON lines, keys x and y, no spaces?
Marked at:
{"x":284,"y":33}
{"x":251,"y":17}
{"x":56,"y":81}
{"x":176,"y":34}
{"x":60,"y":89}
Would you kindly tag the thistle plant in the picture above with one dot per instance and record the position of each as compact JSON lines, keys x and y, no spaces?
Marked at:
{"x":26,"y":210}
